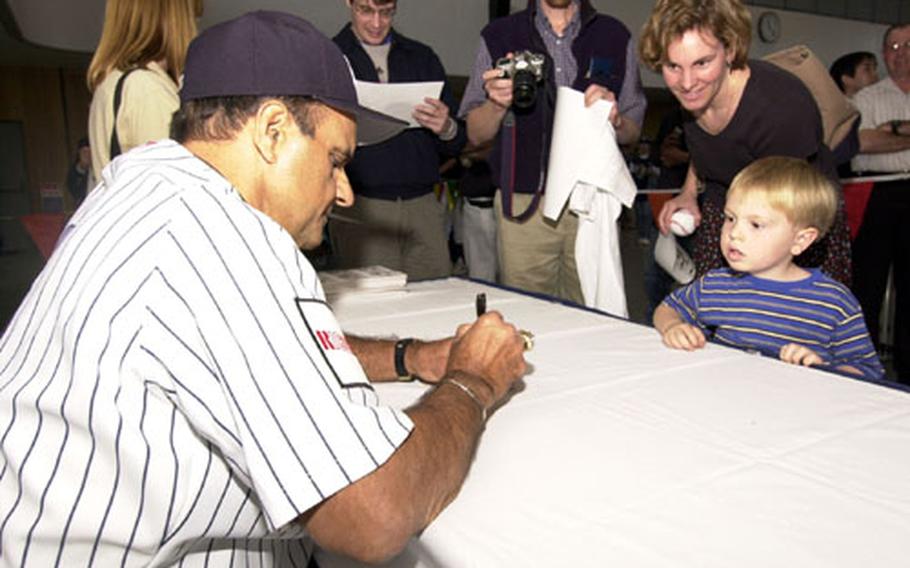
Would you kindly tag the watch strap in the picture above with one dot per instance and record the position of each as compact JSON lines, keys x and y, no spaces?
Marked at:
{"x":400,"y":369}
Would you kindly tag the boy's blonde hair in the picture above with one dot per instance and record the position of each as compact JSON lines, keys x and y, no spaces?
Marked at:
{"x":792,"y":186}
{"x":727,"y":20}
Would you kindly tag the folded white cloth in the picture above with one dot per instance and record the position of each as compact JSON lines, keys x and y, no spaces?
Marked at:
{"x":586,"y":164}
{"x":597,"y":253}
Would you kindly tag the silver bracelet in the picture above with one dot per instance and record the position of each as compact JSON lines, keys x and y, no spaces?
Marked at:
{"x":470,"y":393}
{"x":450,"y":130}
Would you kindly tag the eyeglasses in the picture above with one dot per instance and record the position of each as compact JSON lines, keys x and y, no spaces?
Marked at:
{"x":897,"y":46}
{"x":368,"y":12}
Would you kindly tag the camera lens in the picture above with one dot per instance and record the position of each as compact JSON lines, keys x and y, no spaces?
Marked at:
{"x":524,"y":89}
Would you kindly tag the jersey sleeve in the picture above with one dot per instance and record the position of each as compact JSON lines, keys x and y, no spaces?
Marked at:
{"x":260,"y":366}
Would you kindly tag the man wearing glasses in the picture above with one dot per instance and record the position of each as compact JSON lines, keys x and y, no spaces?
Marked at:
{"x":884,"y":237}
{"x":399,"y":222}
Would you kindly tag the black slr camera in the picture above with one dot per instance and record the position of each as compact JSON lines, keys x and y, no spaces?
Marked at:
{"x":526,"y":69}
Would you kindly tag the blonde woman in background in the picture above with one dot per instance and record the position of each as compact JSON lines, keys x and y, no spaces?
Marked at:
{"x":148,"y":40}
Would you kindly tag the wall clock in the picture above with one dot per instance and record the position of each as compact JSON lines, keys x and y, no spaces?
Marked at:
{"x":769,"y":27}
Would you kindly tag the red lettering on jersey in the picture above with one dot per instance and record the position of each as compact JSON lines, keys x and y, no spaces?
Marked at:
{"x":333,"y":340}
{"x":323,"y":340}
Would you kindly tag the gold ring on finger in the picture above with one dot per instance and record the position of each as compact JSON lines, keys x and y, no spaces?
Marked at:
{"x":528,"y":338}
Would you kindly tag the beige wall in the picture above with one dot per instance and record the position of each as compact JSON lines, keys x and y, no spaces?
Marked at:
{"x":452,"y":27}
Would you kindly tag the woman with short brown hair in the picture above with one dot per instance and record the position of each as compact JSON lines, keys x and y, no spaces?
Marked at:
{"x":741,"y":110}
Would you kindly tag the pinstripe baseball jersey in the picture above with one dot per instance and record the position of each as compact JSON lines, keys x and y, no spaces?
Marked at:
{"x":174,"y":387}
{"x":753,"y":313}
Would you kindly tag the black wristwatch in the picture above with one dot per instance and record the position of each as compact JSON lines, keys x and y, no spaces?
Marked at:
{"x":896,"y":127}
{"x":400,"y":347}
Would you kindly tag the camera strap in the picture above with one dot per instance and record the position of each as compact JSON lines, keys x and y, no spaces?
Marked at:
{"x":507,"y":162}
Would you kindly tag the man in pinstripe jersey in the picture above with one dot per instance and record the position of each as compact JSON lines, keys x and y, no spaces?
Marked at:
{"x":174,"y":388}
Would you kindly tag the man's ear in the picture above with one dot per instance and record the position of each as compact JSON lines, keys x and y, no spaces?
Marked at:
{"x":270,"y":126}
{"x":803,"y":239}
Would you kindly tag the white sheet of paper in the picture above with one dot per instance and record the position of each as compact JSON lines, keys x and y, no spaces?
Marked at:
{"x":397,"y":99}
{"x":583,"y":149}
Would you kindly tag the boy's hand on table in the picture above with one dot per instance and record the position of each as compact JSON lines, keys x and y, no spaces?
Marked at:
{"x":797,"y":354}
{"x":683,"y":335}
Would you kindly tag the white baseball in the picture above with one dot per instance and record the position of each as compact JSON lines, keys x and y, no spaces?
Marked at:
{"x":682,"y":223}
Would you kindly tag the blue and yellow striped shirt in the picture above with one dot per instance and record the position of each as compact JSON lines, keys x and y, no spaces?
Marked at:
{"x":747,"y":312}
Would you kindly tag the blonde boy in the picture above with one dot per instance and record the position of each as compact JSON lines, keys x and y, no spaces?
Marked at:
{"x":776,"y":207}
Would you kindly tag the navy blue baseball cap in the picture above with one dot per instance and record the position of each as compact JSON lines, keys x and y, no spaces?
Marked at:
{"x":267,"y":53}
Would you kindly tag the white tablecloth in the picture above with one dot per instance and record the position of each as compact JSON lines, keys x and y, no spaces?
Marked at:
{"x":620,"y":452}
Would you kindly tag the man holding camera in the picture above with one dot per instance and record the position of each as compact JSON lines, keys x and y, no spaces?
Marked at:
{"x":593,"y":53}
{"x":400,"y":223}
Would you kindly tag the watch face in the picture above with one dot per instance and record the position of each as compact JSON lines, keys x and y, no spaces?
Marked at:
{"x":769,"y":27}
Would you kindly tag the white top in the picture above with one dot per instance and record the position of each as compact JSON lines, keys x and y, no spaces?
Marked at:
{"x":878,"y":104}
{"x":173,"y":388}
{"x":148,"y":101}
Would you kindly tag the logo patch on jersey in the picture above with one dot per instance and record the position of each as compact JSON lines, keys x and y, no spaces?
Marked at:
{"x":330,"y":339}
{"x":334,"y":349}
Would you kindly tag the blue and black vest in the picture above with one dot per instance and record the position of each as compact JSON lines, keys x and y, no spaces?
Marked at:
{"x":599,"y":50}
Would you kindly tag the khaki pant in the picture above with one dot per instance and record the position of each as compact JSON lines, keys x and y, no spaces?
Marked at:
{"x":478,"y":237}
{"x":538,"y":255}
{"x":405,"y":234}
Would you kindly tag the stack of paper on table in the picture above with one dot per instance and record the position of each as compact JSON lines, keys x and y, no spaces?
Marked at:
{"x":376,"y":278}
